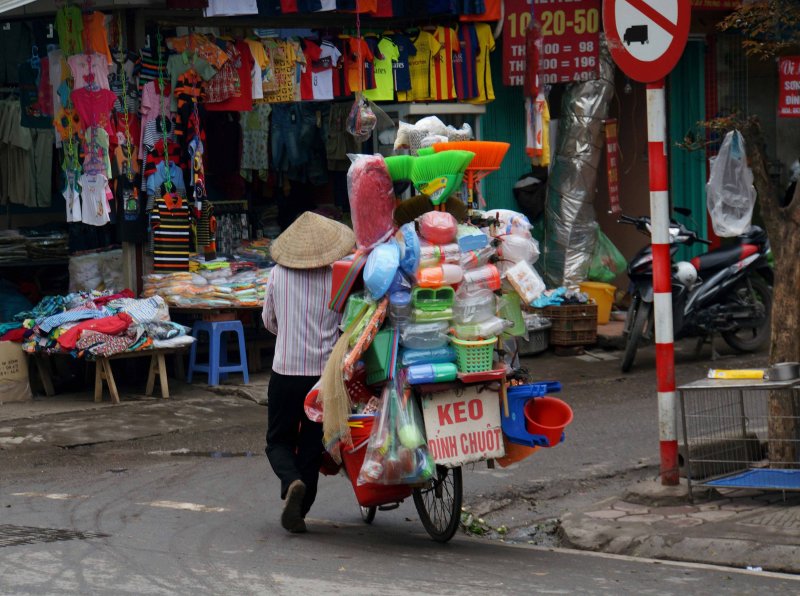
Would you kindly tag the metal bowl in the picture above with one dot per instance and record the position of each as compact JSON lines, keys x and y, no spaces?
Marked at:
{"x":784,"y":371}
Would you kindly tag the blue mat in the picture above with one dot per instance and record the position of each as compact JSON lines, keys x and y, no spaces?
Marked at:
{"x":762,"y":478}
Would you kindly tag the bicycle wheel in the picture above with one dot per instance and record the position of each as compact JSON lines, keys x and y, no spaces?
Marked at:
{"x":368,"y":514}
{"x":438,"y":503}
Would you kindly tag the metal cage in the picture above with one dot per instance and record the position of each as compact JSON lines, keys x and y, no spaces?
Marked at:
{"x":741,"y":434}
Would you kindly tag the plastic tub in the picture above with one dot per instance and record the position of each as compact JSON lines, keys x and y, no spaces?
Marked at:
{"x":603,"y":295}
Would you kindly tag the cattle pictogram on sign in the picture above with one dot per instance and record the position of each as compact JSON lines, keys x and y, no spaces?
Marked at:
{"x":646,"y":37}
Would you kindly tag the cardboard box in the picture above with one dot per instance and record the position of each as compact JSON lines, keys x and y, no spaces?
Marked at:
{"x":14,"y":384}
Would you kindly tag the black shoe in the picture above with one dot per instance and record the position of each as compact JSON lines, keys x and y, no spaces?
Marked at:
{"x":292,"y":517}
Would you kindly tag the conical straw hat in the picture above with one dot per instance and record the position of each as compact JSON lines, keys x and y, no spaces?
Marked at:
{"x":312,"y":241}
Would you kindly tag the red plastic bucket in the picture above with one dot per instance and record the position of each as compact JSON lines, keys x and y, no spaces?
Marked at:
{"x":547,"y":416}
{"x":368,"y":495}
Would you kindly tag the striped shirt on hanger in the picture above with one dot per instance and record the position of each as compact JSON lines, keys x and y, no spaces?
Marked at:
{"x":296,"y":310}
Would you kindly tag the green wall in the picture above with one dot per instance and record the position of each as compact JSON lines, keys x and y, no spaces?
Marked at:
{"x":505,"y":121}
{"x":687,"y":107}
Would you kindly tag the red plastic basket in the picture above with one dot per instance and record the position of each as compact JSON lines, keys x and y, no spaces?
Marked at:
{"x":368,"y":495}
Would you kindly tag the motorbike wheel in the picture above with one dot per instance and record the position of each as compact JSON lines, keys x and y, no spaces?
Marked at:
{"x":635,"y":333}
{"x":750,"y":339}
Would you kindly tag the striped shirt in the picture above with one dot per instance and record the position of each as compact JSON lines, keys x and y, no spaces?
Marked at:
{"x":296,"y":310}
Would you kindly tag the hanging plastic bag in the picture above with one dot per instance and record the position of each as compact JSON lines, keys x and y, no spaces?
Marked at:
{"x":371,"y":194}
{"x":730,"y":192}
{"x":362,"y":120}
{"x":397,"y":452}
{"x":607,"y":262}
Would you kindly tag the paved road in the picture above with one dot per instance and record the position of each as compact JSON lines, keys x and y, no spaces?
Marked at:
{"x":197,"y":525}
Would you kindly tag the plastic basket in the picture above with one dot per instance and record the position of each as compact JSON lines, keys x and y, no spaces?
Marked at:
{"x":538,"y":341}
{"x":573,"y":324}
{"x":474,"y":356}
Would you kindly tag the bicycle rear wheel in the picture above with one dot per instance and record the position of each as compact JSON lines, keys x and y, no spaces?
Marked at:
{"x":438,"y":503}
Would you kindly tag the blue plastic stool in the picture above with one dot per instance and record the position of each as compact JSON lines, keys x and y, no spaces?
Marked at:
{"x":513,"y":425}
{"x":217,"y":366}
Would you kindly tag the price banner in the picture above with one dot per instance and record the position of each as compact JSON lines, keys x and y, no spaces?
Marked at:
{"x":570,"y":32}
{"x":612,"y":165}
{"x":789,"y":80}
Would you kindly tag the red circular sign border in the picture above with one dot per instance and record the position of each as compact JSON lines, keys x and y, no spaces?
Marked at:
{"x":640,"y":70}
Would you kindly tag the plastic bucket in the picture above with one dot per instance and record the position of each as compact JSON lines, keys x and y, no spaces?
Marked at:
{"x":367,"y":495}
{"x":603,"y":295}
{"x":547,"y":416}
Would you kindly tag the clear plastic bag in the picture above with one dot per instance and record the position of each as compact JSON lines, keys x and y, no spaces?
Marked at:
{"x":473,"y":305}
{"x":422,"y":336}
{"x":730,"y":192}
{"x":515,"y":248}
{"x":526,"y":282}
{"x":362,"y":120}
{"x":371,"y":193}
{"x":397,"y":452}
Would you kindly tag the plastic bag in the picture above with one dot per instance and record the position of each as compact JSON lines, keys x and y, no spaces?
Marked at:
{"x":362,"y":120}
{"x":371,"y":194}
{"x":397,"y":452}
{"x":438,"y":227}
{"x":730,"y":192}
{"x":526,"y":281}
{"x":607,"y":262}
{"x":509,"y":222}
{"x":402,"y":141}
{"x":513,"y":249}
{"x":473,"y":305}
{"x":423,"y":336}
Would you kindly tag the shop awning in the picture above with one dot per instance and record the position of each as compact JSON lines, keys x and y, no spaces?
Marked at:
{"x":6,"y":5}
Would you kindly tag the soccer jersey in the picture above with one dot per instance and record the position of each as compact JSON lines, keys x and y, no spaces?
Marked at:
{"x":491,"y":13}
{"x":384,"y":71}
{"x":421,"y":66}
{"x":445,"y":89}
{"x":402,"y":70}
{"x":483,"y":69}
{"x":359,"y":54}
{"x":464,"y":63}
{"x":312,"y":53}
{"x":322,"y":70}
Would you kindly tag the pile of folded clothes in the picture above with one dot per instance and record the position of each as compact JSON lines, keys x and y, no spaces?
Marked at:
{"x":96,"y":324}
{"x":213,"y":284}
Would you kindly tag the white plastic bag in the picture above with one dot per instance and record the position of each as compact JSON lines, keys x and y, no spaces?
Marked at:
{"x":730,"y":193}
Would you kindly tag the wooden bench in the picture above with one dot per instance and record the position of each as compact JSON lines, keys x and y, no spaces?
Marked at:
{"x":158,"y":366}
{"x":104,"y":373}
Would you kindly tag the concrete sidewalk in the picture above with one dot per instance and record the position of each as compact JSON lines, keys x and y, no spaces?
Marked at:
{"x":737,"y":528}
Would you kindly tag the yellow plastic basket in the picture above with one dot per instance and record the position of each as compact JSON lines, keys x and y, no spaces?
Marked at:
{"x":474,"y":356}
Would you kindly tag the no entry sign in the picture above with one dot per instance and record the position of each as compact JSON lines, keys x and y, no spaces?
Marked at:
{"x":646,"y":37}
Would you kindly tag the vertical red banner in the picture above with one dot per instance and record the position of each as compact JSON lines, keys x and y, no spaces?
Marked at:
{"x":612,"y":165}
{"x":789,"y":81}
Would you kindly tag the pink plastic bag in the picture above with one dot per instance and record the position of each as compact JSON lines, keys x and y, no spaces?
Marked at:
{"x":372,"y":200}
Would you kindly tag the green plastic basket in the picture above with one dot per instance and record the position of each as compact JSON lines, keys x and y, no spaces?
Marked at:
{"x":474,"y":356}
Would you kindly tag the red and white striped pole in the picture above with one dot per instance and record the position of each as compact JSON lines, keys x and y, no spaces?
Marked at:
{"x":662,"y":281}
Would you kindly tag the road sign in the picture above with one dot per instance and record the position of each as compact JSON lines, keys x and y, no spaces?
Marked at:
{"x":646,"y":37}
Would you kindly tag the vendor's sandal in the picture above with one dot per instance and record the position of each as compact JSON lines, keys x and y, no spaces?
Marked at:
{"x":292,"y":517}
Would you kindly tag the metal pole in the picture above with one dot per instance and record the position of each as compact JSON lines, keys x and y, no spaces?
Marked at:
{"x":662,"y":282}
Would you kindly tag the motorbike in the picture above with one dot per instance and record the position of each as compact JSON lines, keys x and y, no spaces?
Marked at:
{"x":726,"y":291}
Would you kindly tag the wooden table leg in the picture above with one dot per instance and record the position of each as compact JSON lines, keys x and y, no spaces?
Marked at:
{"x":98,"y":380}
{"x":151,"y":376}
{"x":162,"y":373}
{"x":44,"y":375}
{"x":112,"y":386}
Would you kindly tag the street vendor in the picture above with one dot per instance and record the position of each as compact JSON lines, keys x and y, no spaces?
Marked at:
{"x":296,"y":311}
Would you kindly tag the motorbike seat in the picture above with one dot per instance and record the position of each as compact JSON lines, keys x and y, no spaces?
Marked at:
{"x":722,"y":257}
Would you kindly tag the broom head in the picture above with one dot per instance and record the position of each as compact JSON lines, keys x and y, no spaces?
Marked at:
{"x":399,"y":167}
{"x":488,"y":154}
{"x":410,"y":209}
{"x":440,"y":174}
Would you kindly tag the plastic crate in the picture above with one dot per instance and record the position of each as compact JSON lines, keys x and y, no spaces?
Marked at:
{"x":573,"y":324}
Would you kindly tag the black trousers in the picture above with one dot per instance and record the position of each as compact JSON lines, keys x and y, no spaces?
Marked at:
{"x":294,"y":443}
